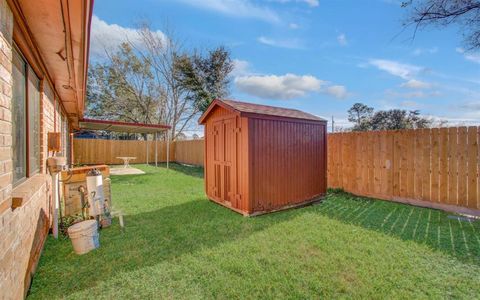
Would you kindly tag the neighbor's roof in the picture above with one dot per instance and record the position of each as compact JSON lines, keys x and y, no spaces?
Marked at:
{"x":91,"y":124}
{"x":258,"y":109}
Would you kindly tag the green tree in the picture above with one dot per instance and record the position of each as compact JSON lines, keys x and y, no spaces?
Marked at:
{"x":360,"y":114}
{"x":398,"y":119}
{"x":205,"y":77}
{"x":364,"y":119}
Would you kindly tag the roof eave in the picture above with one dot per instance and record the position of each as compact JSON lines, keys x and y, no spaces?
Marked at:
{"x":215,"y":102}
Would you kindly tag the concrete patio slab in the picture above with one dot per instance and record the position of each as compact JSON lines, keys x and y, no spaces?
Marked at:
{"x":125,"y":171}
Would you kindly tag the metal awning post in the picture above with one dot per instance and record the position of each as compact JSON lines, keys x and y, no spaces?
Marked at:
{"x":156,"y":149}
{"x":146,"y":142}
{"x":168,"y":148}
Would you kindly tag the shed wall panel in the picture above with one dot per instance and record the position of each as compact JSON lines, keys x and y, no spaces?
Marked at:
{"x":288,"y":163}
{"x":256,"y":163}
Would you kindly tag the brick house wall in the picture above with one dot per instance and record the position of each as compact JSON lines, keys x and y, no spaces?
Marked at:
{"x":23,"y":230}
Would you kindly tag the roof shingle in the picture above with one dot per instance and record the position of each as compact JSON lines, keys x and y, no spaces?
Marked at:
{"x":270,"y":110}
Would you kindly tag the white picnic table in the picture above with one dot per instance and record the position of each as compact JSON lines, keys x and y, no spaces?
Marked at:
{"x":126,"y":160}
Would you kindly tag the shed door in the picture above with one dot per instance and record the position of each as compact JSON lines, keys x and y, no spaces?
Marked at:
{"x":224,"y":161}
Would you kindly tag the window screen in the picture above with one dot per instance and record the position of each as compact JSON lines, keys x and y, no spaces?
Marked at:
{"x":33,"y":122}
{"x":19,"y":142}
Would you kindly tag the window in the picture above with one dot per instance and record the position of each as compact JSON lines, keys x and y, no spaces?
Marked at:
{"x":33,"y":122}
{"x":25,"y":119}
{"x":19,"y":121}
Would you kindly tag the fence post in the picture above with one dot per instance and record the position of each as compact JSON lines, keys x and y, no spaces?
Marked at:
{"x":146,"y":143}
{"x":168,"y":150}
{"x":156,"y":149}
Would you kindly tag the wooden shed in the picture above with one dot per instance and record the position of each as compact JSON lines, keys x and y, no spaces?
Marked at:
{"x":262,"y":158}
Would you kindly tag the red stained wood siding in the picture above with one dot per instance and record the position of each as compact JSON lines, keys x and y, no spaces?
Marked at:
{"x":257,"y":163}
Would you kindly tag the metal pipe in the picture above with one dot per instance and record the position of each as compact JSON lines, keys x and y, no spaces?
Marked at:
{"x":56,"y":205}
{"x":168,"y":149}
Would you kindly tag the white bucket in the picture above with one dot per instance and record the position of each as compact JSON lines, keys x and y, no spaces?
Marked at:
{"x":84,"y":236}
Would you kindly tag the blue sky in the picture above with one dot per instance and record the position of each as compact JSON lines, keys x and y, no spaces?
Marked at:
{"x":316,"y":55}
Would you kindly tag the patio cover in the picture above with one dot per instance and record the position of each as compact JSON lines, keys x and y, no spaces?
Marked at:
{"x":92,"y":124}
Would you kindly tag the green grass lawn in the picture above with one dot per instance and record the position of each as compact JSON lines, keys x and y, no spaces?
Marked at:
{"x":177,"y":244}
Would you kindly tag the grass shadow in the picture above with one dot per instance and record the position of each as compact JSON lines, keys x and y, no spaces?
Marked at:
{"x":169,"y":224}
{"x":149,"y":238}
{"x":458,"y":238}
{"x":195,"y":171}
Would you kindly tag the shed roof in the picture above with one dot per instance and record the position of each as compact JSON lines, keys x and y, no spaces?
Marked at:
{"x":259,"y":109}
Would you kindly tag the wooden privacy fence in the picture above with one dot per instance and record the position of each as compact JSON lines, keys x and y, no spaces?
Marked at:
{"x":190,"y":152}
{"x":429,"y":167}
{"x":97,"y":151}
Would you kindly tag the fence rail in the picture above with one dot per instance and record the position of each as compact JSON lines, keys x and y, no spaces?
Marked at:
{"x":431,"y":167}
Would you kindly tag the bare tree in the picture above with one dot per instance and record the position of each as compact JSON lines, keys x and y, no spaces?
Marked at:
{"x":162,"y":52}
{"x":144,"y":81}
{"x":465,"y":13}
{"x":122,"y":88}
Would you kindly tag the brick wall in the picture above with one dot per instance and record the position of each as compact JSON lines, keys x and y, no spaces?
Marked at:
{"x":6,"y":27}
{"x":46,"y":122}
{"x":22,"y":230}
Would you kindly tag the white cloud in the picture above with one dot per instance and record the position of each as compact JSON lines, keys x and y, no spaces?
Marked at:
{"x":395,"y":68}
{"x":240,"y":68}
{"x":284,"y":43}
{"x":311,"y":3}
{"x":459,"y":120}
{"x":411,"y":105}
{"x":338,"y":91}
{"x":475,"y":57}
{"x":421,"y":51}
{"x":293,"y":26}
{"x":286,"y":86}
{"x":416,"y":84}
{"x":106,"y":36}
{"x":471,"y":105}
{"x":236,"y":8}
{"x":342,"y":39}
{"x":411,"y":95}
